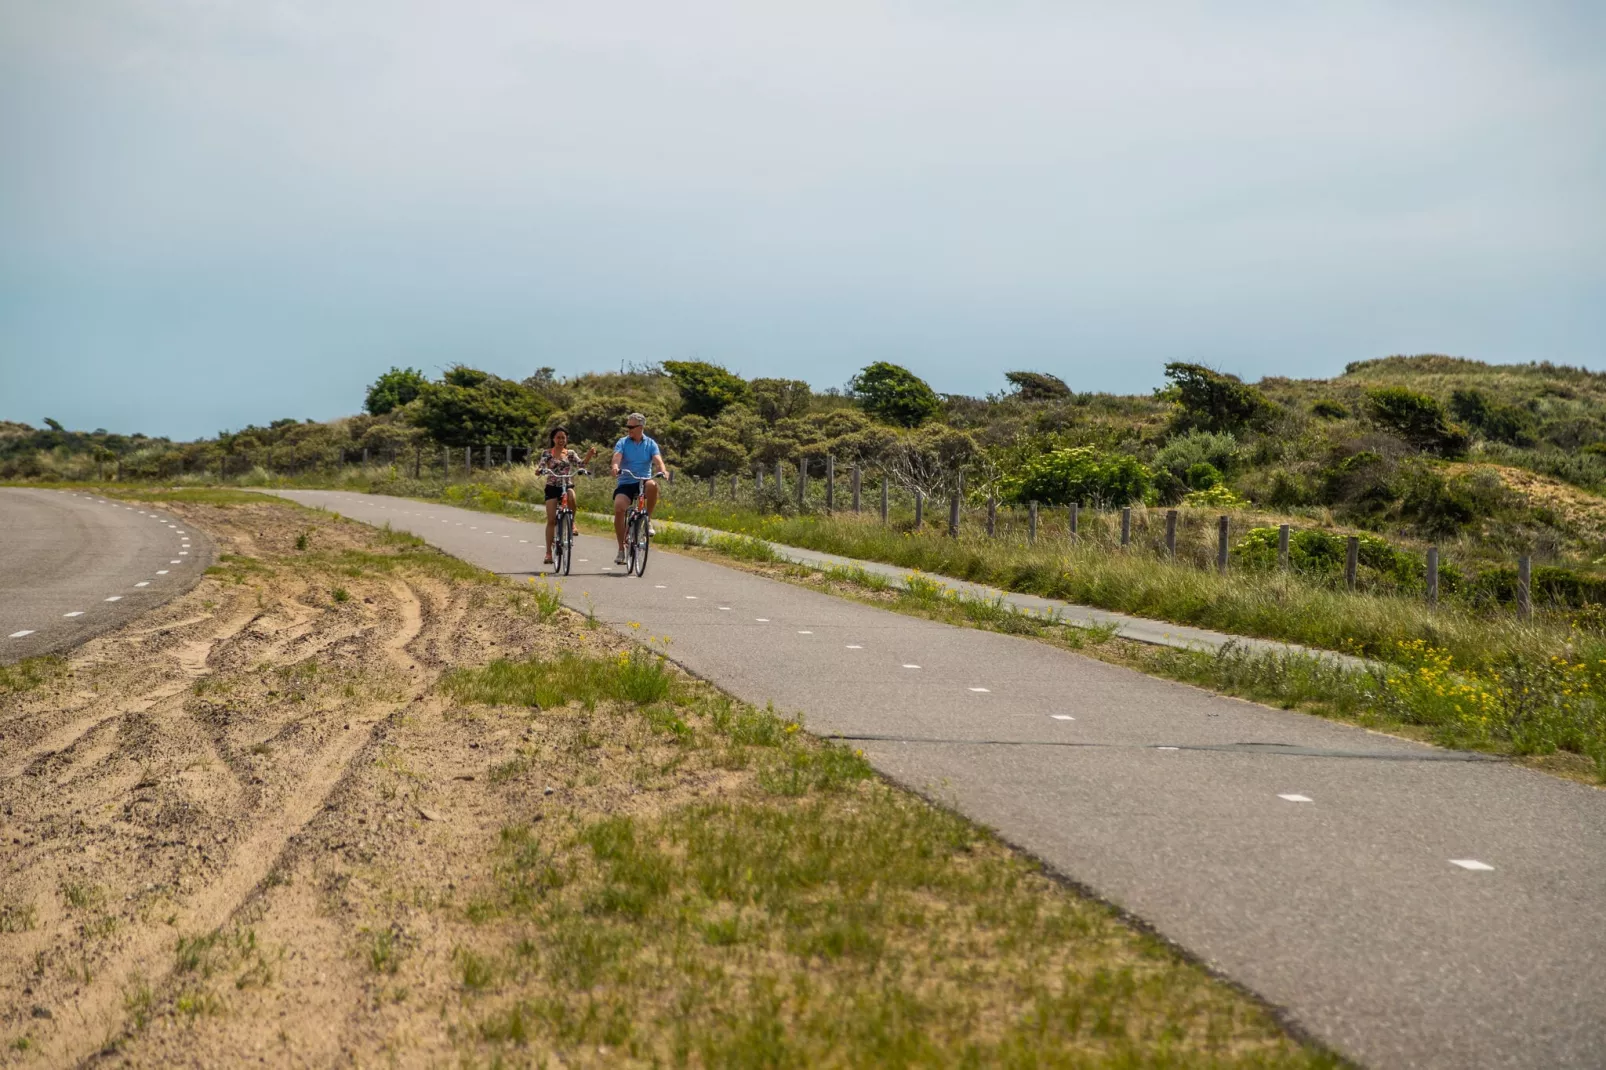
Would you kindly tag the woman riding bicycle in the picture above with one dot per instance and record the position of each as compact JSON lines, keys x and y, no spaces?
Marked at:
{"x":560,"y":464}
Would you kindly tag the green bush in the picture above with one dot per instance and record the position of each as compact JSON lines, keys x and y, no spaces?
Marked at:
{"x":1182,"y":453}
{"x":1213,"y":401}
{"x":1079,"y":474}
{"x":1202,"y":476}
{"x":1364,"y":480}
{"x":705,"y":389}
{"x":1495,"y":420}
{"x":1038,"y":386}
{"x":895,"y":394}
{"x":394,"y":389}
{"x":1418,"y":419}
{"x":469,"y":407}
{"x":1329,"y":409}
{"x":1324,"y":553}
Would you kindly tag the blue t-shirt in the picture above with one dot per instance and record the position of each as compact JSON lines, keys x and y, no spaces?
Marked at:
{"x":635,"y":457}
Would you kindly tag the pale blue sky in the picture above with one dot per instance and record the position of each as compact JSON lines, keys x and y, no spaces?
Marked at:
{"x":217,"y":213}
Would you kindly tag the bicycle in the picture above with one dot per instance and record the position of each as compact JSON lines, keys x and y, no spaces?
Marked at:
{"x":638,"y":531}
{"x":563,"y":523}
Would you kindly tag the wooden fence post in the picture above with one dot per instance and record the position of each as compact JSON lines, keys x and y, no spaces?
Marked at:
{"x":992,"y":515}
{"x":858,"y":487}
{"x":468,"y":459}
{"x":364,"y":456}
{"x":1031,"y":524}
{"x":1433,"y":575}
{"x":1221,"y":544}
{"x":953,"y":516}
{"x":1126,"y":526}
{"x":510,"y":456}
{"x":487,"y":455}
{"x":1076,"y":509}
{"x":736,"y":485}
{"x":802,"y":481}
{"x":1171,"y":532}
{"x":758,"y":481}
{"x":1282,"y":546}
{"x":418,"y":460}
{"x":780,"y":481}
{"x":883,"y":498}
{"x":920,"y":509}
{"x":830,"y":484}
{"x":1525,"y":602}
{"x":1352,"y":557}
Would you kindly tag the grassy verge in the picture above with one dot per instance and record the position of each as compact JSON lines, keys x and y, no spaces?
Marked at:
{"x":803,"y":913}
{"x":1545,"y":713}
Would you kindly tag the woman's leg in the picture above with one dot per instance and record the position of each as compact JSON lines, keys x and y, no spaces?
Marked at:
{"x":551,"y":523}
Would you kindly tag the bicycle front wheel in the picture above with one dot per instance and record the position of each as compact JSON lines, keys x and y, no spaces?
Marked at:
{"x":643,"y":541}
{"x":632,"y":543}
{"x":566,"y":536}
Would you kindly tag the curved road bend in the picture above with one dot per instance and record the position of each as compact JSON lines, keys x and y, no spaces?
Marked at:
{"x":74,"y":564}
{"x":1410,"y":906}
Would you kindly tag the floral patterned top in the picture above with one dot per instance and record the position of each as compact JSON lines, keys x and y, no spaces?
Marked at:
{"x":559,"y":466}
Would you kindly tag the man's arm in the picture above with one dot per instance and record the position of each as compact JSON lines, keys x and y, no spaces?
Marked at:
{"x":618,"y":459}
{"x":658,"y":462}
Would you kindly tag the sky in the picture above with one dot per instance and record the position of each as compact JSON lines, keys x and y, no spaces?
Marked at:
{"x":215,"y":213}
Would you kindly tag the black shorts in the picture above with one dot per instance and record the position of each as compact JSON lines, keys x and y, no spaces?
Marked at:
{"x":553,"y":492}
{"x":629,"y":490}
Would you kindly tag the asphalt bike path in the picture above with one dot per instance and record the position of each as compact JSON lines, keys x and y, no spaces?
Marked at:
{"x":1141,"y":629}
{"x":1409,"y":906}
{"x":74,"y":564}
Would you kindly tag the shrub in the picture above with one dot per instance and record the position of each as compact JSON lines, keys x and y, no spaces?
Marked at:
{"x":1416,"y":418}
{"x":1444,"y":507}
{"x":777,"y":399}
{"x":1202,"y":476}
{"x":1503,"y":423}
{"x":1218,"y":449}
{"x":1213,"y":401}
{"x":394,"y":389}
{"x":705,"y":389}
{"x":1329,"y":409}
{"x":894,"y":394}
{"x":469,"y":407}
{"x":1324,"y":553}
{"x":1363,"y":480}
{"x":1038,"y":386}
{"x":1079,"y":474}
{"x":1217,"y":496}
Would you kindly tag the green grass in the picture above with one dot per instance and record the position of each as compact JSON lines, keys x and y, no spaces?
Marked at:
{"x":809,"y":914}
{"x":637,"y":678}
{"x":30,"y":673}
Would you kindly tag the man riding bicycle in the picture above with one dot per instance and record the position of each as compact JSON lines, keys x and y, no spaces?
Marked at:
{"x":636,"y":458}
{"x":560,"y":464}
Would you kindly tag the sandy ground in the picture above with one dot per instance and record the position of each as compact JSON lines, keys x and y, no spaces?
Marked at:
{"x":235,"y":762}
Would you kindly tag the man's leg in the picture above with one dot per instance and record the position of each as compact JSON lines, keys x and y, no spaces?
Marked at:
{"x":621,"y":505}
{"x":652,"y":495}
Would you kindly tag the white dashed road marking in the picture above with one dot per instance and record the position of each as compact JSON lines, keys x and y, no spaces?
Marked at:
{"x":175,"y":562}
{"x":691,"y":597}
{"x":1165,"y":748}
{"x":161,"y":572}
{"x":74,"y":613}
{"x":19,"y":635}
{"x":1471,"y":863}
{"x":762,"y":620}
{"x":143,"y":583}
{"x":115,"y":598}
{"x":911,"y":666}
{"x":855,"y":646}
{"x":1296,"y":798}
{"x":805,"y":633}
{"x":1062,"y":717}
{"x":981,"y":689}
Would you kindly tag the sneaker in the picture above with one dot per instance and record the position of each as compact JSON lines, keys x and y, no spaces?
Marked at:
{"x":652,"y":532}
{"x":620,"y":559}
{"x":548,"y":560}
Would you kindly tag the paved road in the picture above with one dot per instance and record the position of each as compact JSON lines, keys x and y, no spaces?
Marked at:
{"x":1142,"y":629}
{"x":73,"y":565}
{"x":1409,"y":906}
